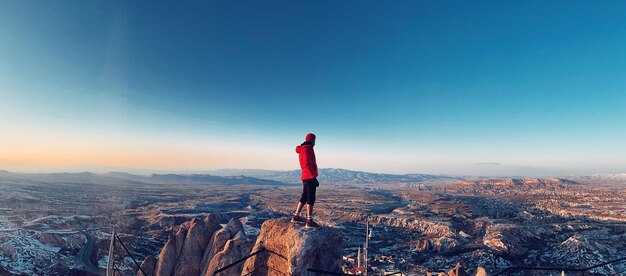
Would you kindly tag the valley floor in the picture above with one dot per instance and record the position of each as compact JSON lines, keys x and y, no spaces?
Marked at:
{"x":62,"y":228}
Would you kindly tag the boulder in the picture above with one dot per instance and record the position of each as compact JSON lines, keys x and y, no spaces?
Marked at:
{"x":291,"y":249}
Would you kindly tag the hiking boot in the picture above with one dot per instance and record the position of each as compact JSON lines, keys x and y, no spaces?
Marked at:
{"x":297,"y":218}
{"x":311,"y":224}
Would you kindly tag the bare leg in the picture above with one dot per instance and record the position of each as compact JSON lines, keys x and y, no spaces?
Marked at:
{"x":309,"y":210}
{"x":299,"y":209}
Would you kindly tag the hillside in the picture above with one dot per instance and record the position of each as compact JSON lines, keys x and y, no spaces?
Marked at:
{"x":618,"y":179}
{"x":119,"y":178}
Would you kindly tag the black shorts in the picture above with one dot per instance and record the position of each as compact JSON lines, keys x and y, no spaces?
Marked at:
{"x":308,"y":191}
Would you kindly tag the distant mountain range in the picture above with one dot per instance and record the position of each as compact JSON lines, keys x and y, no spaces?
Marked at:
{"x":617,"y":179}
{"x":339,"y":176}
{"x":271,"y":177}
{"x":126,"y":178}
{"x":230,"y":177}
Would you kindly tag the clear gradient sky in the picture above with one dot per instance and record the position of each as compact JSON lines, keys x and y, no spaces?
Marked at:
{"x":455,"y":87}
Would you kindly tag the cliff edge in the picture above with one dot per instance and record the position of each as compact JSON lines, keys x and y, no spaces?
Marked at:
{"x":290,"y":249}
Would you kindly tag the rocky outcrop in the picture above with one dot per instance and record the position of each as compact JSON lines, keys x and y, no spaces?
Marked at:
{"x":578,"y":251}
{"x":291,"y":249}
{"x":228,"y":245}
{"x":234,"y":250}
{"x":183,"y":252}
{"x":441,"y":244}
{"x":198,"y":235}
{"x":201,"y":247}
{"x":506,"y":240}
{"x":217,"y":243}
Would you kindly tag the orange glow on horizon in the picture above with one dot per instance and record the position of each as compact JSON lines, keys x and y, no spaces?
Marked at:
{"x":28,"y":153}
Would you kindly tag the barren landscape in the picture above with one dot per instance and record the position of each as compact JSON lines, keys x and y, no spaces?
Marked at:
{"x":60,"y":224}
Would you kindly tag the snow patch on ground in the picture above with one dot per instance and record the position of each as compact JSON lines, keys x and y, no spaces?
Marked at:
{"x":23,"y":252}
{"x":102,"y":263}
{"x":6,"y":225}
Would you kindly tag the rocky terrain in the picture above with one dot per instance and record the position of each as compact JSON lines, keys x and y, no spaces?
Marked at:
{"x":496,"y":185}
{"x":60,"y":224}
{"x":490,"y":223}
{"x":202,"y":246}
{"x":292,"y":249}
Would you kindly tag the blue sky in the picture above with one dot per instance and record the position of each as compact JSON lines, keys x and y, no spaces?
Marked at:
{"x":478,"y":88}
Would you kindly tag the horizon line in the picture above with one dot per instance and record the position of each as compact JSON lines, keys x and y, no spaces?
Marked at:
{"x":147,"y":172}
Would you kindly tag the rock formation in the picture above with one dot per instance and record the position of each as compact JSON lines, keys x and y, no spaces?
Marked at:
{"x":235,"y":249}
{"x":227,"y":245}
{"x":194,"y":245}
{"x":183,"y":252}
{"x":64,"y":241}
{"x":437,"y":244}
{"x":201,"y":247}
{"x":506,"y":240}
{"x":513,"y":183}
{"x":424,"y":226}
{"x":291,"y":250}
{"x":578,"y":251}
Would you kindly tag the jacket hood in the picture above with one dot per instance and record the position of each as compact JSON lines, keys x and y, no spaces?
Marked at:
{"x":310,"y":137}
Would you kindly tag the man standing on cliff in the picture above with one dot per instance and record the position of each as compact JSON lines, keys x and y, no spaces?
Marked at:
{"x":309,"y":180}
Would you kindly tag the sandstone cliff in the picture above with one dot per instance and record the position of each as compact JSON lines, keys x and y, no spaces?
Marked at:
{"x":195,"y":247}
{"x":228,"y":245}
{"x":200,"y":247}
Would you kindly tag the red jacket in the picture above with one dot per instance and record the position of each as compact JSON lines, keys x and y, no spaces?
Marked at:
{"x":307,"y":161}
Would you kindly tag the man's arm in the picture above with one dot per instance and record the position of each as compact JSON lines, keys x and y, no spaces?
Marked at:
{"x":311,"y":161}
